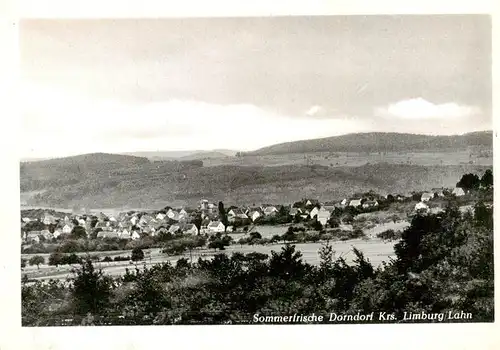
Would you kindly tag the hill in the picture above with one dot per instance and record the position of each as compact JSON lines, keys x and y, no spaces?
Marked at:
{"x":186,"y":155}
{"x":380,"y":142}
{"x":156,"y":184}
{"x":205,"y":155}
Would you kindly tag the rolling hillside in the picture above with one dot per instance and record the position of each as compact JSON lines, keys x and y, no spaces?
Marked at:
{"x":380,"y":142}
{"x":144,"y":184}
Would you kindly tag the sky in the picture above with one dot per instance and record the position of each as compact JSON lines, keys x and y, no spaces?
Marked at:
{"x":128,"y":85}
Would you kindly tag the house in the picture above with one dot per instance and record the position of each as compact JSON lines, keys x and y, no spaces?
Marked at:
{"x":204,"y":204}
{"x":270,"y":210}
{"x":46,"y":234}
{"x":344,"y":202}
{"x":124,"y":234}
{"x":421,"y":206}
{"x":134,"y":220}
{"x":458,"y":191}
{"x":135,"y":235}
{"x":57,"y":233}
{"x":183,"y":212}
{"x":314,"y":212}
{"x":174,"y":228}
{"x":109,"y":235}
{"x":160,"y":216}
{"x":438,"y":192}
{"x":81,"y":222}
{"x":254,"y":215}
{"x":323,"y":216}
{"x":312,"y":202}
{"x":49,"y":219}
{"x":295,"y":211}
{"x":67,"y":229}
{"x":329,"y":205}
{"x":234,"y":212}
{"x":426,"y":196}
{"x":171,"y":214}
{"x":33,"y":237}
{"x":190,"y":229}
{"x":400,"y":197}
{"x":355,"y":203}
{"x":215,"y":227}
{"x":370,"y":204}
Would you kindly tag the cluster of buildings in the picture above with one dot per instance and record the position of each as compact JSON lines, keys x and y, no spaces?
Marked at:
{"x":203,"y":220}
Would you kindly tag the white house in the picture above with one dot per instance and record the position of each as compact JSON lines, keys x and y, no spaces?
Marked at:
{"x":421,"y":206}
{"x":124,"y":234}
{"x":171,"y":214}
{"x":426,"y":197}
{"x":370,"y":204}
{"x":135,"y":235}
{"x":191,"y":229}
{"x":49,"y":219}
{"x":270,"y":210}
{"x":355,"y":203}
{"x":174,"y":228}
{"x":344,"y":201}
{"x":67,"y":229}
{"x":57,"y":233}
{"x":323,"y":216}
{"x":314,"y":212}
{"x":134,"y":220}
{"x":254,"y":215}
{"x":458,"y":191}
{"x":215,"y":226}
{"x":160,"y":216}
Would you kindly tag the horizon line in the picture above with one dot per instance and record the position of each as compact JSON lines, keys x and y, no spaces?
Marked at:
{"x":194,"y":151}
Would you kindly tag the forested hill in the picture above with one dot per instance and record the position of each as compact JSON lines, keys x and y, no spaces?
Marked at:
{"x":96,"y":170}
{"x":380,"y":142}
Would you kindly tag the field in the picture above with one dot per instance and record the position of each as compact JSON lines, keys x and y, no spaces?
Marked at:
{"x":375,"y":250}
{"x":337,"y":159}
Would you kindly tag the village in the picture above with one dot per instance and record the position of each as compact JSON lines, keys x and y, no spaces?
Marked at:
{"x":207,"y":219}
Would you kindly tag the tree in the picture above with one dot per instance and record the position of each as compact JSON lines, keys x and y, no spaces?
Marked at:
{"x":316,"y":225}
{"x":23,"y":263}
{"x":326,"y":253}
{"x":333,"y":221}
{"x":223,"y":216}
{"x":78,"y":232}
{"x":37,"y":260}
{"x":90,"y":290}
{"x":197,"y":220}
{"x":255,"y":235}
{"x":55,"y":258}
{"x":137,"y":254}
{"x":487,"y":179}
{"x":469,"y":182}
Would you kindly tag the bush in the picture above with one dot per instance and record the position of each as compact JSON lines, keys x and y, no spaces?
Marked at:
{"x":389,"y":235}
{"x":137,"y":254}
{"x":37,"y":260}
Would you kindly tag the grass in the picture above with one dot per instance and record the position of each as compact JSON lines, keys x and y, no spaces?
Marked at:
{"x":375,"y":250}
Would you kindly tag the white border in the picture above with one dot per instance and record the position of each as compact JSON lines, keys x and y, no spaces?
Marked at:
{"x":12,"y":336}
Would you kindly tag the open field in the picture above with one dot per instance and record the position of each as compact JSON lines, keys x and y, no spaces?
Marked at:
{"x":338,"y":159}
{"x":375,"y":250}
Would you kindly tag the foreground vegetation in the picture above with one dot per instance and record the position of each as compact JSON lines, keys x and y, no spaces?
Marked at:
{"x":443,"y":263}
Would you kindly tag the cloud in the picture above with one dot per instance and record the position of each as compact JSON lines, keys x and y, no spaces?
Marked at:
{"x":314,"y":110}
{"x":58,"y":123}
{"x":421,"y":109}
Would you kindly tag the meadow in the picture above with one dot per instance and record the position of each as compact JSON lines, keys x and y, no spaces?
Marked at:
{"x":375,"y":251}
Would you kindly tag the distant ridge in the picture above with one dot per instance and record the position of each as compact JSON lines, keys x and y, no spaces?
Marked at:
{"x":184,"y":155}
{"x":379,"y":142}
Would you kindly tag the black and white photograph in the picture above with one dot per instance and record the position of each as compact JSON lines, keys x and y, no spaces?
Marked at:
{"x":258,"y":170}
